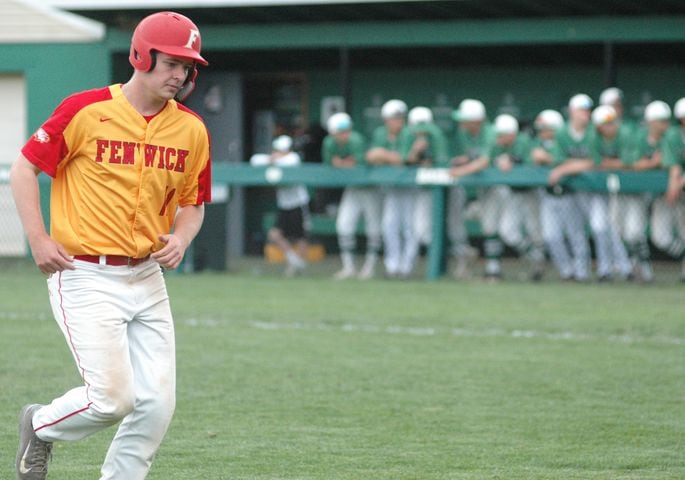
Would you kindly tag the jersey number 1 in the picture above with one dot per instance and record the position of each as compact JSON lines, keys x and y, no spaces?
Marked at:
{"x":167,"y":200}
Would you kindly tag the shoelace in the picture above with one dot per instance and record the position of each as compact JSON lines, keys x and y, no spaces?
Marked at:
{"x":40,"y":456}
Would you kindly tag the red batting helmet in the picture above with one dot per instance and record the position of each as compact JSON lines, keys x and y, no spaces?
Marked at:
{"x":166,"y":32}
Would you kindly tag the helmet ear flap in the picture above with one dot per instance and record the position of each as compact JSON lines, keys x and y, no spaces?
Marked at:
{"x":142,"y":60}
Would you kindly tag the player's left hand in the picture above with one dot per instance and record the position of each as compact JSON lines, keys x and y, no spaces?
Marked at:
{"x":171,"y":254}
{"x":554,"y":177}
{"x":455,"y":172}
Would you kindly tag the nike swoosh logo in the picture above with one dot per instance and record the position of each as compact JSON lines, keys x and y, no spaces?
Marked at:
{"x":104,"y":119}
{"x":22,"y":465}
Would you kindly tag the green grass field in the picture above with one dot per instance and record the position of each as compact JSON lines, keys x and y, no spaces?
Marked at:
{"x":309,"y":378}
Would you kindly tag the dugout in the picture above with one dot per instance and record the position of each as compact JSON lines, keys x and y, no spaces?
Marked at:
{"x":283,"y":65}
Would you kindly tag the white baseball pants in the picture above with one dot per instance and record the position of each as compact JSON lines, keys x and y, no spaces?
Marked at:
{"x":423,"y":216}
{"x":400,"y":243}
{"x":562,"y":220}
{"x":631,"y":217}
{"x":610,"y":251}
{"x":117,"y":322}
{"x":520,"y":226}
{"x":456,"y":221}
{"x":355,"y":203}
{"x":493,"y":201}
{"x":629,"y":214}
{"x":668,"y":227}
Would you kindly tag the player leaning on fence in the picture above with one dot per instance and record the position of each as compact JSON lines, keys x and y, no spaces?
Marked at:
{"x":425,"y":146}
{"x":400,"y":243}
{"x":611,"y":145}
{"x":561,"y":213}
{"x":471,"y":149}
{"x":668,"y":217}
{"x":615,"y":150}
{"x":519,"y":213}
{"x":131,"y":174}
{"x":345,"y":148}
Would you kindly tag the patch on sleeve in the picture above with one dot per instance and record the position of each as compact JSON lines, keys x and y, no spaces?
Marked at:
{"x":41,"y":136}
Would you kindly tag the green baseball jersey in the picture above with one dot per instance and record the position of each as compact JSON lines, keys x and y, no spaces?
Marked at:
{"x":628,"y":127}
{"x":353,"y":147}
{"x":518,"y":151}
{"x":381,"y":139}
{"x":644,"y":147}
{"x":437,"y":143}
{"x":618,"y":147}
{"x":548,"y":145}
{"x":474,"y":146}
{"x":570,"y":147}
{"x":674,"y":148}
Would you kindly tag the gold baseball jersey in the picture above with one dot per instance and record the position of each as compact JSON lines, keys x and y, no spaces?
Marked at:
{"x":118,"y":177}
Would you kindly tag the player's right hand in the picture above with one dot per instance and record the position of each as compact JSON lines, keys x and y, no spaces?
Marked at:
{"x":50,"y":256}
{"x":672,"y":195}
{"x":504,"y":163}
{"x":420,"y":144}
{"x":541,"y":157}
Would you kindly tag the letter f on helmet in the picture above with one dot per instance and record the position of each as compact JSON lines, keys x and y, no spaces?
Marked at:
{"x":170,"y":33}
{"x":194,"y":35}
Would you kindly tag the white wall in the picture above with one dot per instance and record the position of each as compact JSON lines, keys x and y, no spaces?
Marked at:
{"x":12,"y":136}
{"x":13,"y":119}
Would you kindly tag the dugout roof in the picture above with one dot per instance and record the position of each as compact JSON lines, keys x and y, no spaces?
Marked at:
{"x":284,"y":34}
{"x":310,"y":27}
{"x":293,"y":11}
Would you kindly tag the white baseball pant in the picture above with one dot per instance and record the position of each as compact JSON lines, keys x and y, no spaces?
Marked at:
{"x":629,"y":214}
{"x":355,"y":203}
{"x":423,"y":216}
{"x":562,"y":220}
{"x":493,"y":200}
{"x":520,"y":226}
{"x":456,"y":221}
{"x":632,"y":217}
{"x":401,"y":245}
{"x":609,"y":249}
{"x":668,"y":227}
{"x":117,"y":323}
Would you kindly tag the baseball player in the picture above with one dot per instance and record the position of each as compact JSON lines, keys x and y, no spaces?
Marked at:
{"x":648,"y":154}
{"x":668,"y":214}
{"x":560,"y":216}
{"x":293,"y":221}
{"x":519,"y":212}
{"x":471,"y":153}
{"x":614,"y":150}
{"x":561,"y":210}
{"x":400,"y":243}
{"x":344,"y":148}
{"x":613,"y":97}
{"x":425,"y":146}
{"x":611,"y":146}
{"x":131,"y":173}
